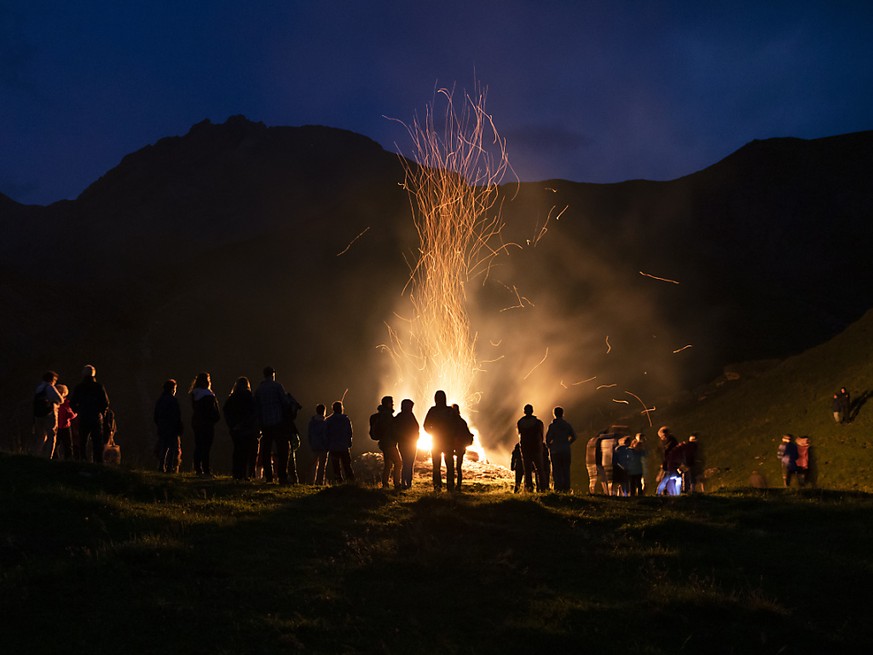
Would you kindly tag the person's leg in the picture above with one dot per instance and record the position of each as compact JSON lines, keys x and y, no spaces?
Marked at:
{"x":283,"y":447}
{"x":437,"y":460}
{"x":450,"y":468}
{"x":265,"y":453}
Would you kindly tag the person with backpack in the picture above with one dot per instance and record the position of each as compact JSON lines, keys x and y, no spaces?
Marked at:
{"x":407,"y":431}
{"x":382,"y":430}
{"x":168,"y":419}
{"x":242,"y":422}
{"x":46,"y":400}
{"x":90,"y":401}
{"x":203,"y":419}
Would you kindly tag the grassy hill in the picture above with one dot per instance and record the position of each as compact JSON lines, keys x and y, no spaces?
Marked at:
{"x":741,"y":421}
{"x":103,"y":560}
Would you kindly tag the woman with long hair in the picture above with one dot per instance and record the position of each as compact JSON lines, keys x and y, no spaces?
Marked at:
{"x":239,"y":414}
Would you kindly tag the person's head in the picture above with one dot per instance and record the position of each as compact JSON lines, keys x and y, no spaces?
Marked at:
{"x":624,"y":441}
{"x":50,"y":376}
{"x":842,"y":389}
{"x":63,"y":390}
{"x":787,"y":438}
{"x":89,"y":372}
{"x":320,"y":409}
{"x":439,"y":398}
{"x":337,"y":407}
{"x":241,"y":384}
{"x":692,"y":436}
{"x":388,"y":403}
{"x":663,"y":433}
{"x":202,"y":381}
{"x":456,"y":409}
{"x":406,"y":405}
{"x":528,"y":410}
{"x":269,"y":373}
{"x":170,"y":386}
{"x":559,"y":412}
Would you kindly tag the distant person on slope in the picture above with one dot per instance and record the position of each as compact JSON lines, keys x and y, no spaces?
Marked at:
{"x":787,"y":454}
{"x":845,"y":405}
{"x":836,"y":408}
{"x":90,"y":401}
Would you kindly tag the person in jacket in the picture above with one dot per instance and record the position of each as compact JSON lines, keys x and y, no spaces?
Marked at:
{"x":272,"y":404}
{"x":621,"y":463}
{"x":338,"y":433}
{"x":530,"y":436}
{"x":203,"y":419}
{"x":591,"y":463}
{"x":382,"y":430}
{"x":168,"y":419}
{"x":66,"y":415}
{"x":837,"y":408}
{"x":804,"y":460}
{"x":242,"y":422}
{"x":318,"y":445}
{"x":90,"y":401}
{"x":694,"y":462}
{"x":636,"y":465}
{"x":516,"y":465}
{"x":463,"y":438}
{"x":46,"y":400}
{"x":787,"y":454}
{"x":670,"y":479}
{"x":439,"y":423}
{"x":407,"y":430}
{"x":606,"y":442}
{"x":559,"y":437}
{"x":845,"y":405}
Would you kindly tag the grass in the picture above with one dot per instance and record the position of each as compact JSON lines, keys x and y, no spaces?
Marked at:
{"x":103,"y":560}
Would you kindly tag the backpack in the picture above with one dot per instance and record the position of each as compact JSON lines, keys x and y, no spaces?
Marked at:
{"x":41,"y":405}
{"x":375,"y":428}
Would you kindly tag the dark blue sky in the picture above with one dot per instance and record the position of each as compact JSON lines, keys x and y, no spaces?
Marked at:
{"x":587,"y":91}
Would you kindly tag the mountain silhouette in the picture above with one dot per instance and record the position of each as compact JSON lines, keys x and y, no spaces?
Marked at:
{"x":239,"y":245}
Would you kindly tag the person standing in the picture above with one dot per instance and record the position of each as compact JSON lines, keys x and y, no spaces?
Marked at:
{"x":787,"y":454}
{"x":318,"y":446}
{"x":670,"y":479}
{"x":803,"y":460}
{"x":90,"y":401}
{"x":272,"y":403}
{"x":836,"y":408}
{"x":168,"y":419}
{"x":591,"y":463}
{"x":406,"y":430}
{"x":382,"y":430}
{"x":636,"y":465}
{"x":205,"y":415}
{"x":241,"y":419}
{"x":463,"y":438}
{"x":339,"y":434}
{"x":845,"y":405}
{"x":439,"y":423}
{"x":694,"y":461}
{"x":530,"y":436}
{"x":66,"y":416}
{"x":559,"y":437}
{"x":46,"y":400}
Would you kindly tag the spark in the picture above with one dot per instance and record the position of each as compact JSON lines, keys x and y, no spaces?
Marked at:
{"x":686,"y":347}
{"x":363,"y":232}
{"x":496,"y":345}
{"x":564,"y":385}
{"x":520,"y":298}
{"x":343,"y":399}
{"x":551,"y":188}
{"x":608,"y":347}
{"x":593,"y":377}
{"x":646,"y":409}
{"x":606,"y":386}
{"x":537,"y":366}
{"x":545,"y":228}
{"x":662,"y":279}
{"x":622,"y":401}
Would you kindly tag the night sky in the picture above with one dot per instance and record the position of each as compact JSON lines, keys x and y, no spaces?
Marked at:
{"x":587,"y":91}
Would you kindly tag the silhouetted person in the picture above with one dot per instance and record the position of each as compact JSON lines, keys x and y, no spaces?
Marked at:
{"x":272,"y":403}
{"x":203,"y":419}
{"x":318,"y":445}
{"x":803,"y":460}
{"x":530,"y":436}
{"x":787,"y":454}
{"x":591,"y":465}
{"x":242,"y":422}
{"x":620,"y":463}
{"x":559,"y":437}
{"x":636,"y":465}
{"x":382,"y":430}
{"x":694,"y":475}
{"x":46,"y":400}
{"x":407,"y":431}
{"x":845,"y":405}
{"x":90,"y":401}
{"x":670,"y":480}
{"x":439,"y":423}
{"x":516,"y":465}
{"x":338,"y":433}
{"x":836,"y":408}
{"x":606,"y":442}
{"x":168,"y":419}
{"x":66,"y":415}
{"x":463,"y":438}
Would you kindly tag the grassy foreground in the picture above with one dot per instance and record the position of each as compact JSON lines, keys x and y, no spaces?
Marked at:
{"x":99,"y":560}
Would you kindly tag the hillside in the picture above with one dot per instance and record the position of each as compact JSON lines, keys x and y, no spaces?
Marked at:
{"x":239,"y":245}
{"x":95,"y":559}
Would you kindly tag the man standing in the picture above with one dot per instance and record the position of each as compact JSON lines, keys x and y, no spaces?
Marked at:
{"x":271,"y":404}
{"x":382,"y":430}
{"x":90,"y":401}
{"x":530,"y":436}
{"x":338,"y":434}
{"x":559,"y":438}
{"x":406,"y":429}
{"x":168,"y":419}
{"x":318,"y":445}
{"x":439,"y":423}
{"x":46,"y":400}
